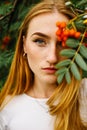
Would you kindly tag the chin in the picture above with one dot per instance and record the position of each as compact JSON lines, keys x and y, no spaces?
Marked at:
{"x":51,"y":80}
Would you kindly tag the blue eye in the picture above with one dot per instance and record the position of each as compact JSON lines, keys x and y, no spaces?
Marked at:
{"x":39,"y":41}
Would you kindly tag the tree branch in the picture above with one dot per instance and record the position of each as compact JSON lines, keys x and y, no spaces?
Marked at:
{"x":8,"y":14}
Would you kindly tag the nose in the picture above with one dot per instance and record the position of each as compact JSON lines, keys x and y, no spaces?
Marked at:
{"x":52,"y":56}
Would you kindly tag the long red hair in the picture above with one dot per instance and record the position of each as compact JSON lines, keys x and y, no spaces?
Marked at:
{"x":64,"y":103}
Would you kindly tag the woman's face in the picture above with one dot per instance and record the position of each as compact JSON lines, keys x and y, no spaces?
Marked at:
{"x":42,"y":46}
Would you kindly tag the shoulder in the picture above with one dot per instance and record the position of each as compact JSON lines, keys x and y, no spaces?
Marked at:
{"x":11,"y":106}
{"x":13,"y":102}
{"x":13,"y":109}
{"x":84,"y":83}
{"x":83,"y":88}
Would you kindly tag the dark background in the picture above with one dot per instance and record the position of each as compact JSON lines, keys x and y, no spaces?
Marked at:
{"x":12,"y":13}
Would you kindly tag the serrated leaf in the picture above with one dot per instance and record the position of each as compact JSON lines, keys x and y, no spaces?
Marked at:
{"x":68,"y":52}
{"x":68,"y":76}
{"x":60,"y":78}
{"x":75,"y":71}
{"x":71,"y":42}
{"x":62,"y":70}
{"x":83,"y":51}
{"x":63,"y":63}
{"x":80,"y":61}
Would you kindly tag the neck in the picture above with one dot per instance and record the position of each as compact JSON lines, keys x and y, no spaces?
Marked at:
{"x":41,"y":90}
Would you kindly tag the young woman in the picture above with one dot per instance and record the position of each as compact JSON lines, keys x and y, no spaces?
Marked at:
{"x":31,"y":98}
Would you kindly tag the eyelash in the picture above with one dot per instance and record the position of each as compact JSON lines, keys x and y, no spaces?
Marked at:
{"x":39,"y":41}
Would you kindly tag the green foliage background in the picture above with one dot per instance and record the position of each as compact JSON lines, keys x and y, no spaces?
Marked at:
{"x":12,"y":13}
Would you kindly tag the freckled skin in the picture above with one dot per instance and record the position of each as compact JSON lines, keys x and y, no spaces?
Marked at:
{"x":44,"y":52}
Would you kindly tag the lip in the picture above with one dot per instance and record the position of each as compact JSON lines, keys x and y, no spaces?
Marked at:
{"x":49,"y":70}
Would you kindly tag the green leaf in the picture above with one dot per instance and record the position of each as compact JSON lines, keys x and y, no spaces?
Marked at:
{"x":63,"y":63}
{"x":15,"y":26}
{"x":80,"y":25}
{"x":75,"y":71}
{"x":80,"y":61}
{"x":60,"y":78}
{"x":62,"y":70}
{"x":83,"y":51}
{"x":68,"y":52}
{"x":5,"y":8}
{"x":71,"y":42}
{"x":67,"y":76}
{"x":81,"y":2}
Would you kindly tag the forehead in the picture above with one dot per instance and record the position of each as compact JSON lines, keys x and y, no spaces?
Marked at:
{"x":46,"y":22}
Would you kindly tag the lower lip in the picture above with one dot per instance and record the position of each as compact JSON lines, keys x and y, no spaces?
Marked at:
{"x":50,"y":71}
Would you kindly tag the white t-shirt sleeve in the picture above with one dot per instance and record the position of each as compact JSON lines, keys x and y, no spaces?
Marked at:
{"x":4,"y":120}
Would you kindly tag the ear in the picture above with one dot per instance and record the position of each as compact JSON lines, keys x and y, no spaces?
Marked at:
{"x":24,"y":44}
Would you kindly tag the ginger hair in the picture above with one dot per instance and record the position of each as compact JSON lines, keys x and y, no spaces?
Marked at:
{"x":64,"y":103}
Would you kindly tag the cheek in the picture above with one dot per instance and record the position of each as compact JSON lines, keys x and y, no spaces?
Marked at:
{"x":35,"y":53}
{"x":33,"y":56}
{"x":32,"y":61}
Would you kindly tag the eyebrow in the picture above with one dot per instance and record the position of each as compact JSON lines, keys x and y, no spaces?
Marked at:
{"x":41,"y":34}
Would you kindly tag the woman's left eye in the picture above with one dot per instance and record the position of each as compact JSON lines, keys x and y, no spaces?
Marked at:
{"x":39,"y":41}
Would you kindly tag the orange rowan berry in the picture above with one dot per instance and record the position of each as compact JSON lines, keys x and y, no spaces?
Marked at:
{"x":72,"y":32}
{"x":65,"y":38}
{"x":59,"y":38}
{"x":77,"y":34}
{"x":58,"y":24}
{"x":58,"y":32}
{"x":66,"y":32}
{"x":63,"y":44}
{"x":62,"y":35}
{"x":63,"y":25}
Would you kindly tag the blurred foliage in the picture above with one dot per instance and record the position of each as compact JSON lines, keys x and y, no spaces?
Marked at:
{"x":12,"y":13}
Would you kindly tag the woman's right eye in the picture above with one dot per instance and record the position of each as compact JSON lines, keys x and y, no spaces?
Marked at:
{"x":39,"y":41}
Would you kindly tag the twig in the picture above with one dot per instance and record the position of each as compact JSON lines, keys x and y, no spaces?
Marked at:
{"x":8,"y":14}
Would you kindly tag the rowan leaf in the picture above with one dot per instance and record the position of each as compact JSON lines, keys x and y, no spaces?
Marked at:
{"x":68,"y":53}
{"x":62,"y":70}
{"x":80,"y":61}
{"x":68,"y":76}
{"x":71,"y":42}
{"x":75,"y":71}
{"x":83,"y":51}
{"x":63,"y":63}
{"x":60,"y":78}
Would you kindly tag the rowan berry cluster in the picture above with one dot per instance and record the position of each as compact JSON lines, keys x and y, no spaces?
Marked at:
{"x":63,"y":33}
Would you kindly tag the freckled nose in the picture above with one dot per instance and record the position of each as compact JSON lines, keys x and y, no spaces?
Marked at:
{"x":52,"y":57}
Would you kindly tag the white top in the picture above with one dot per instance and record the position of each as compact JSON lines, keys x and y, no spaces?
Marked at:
{"x":27,"y":113}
